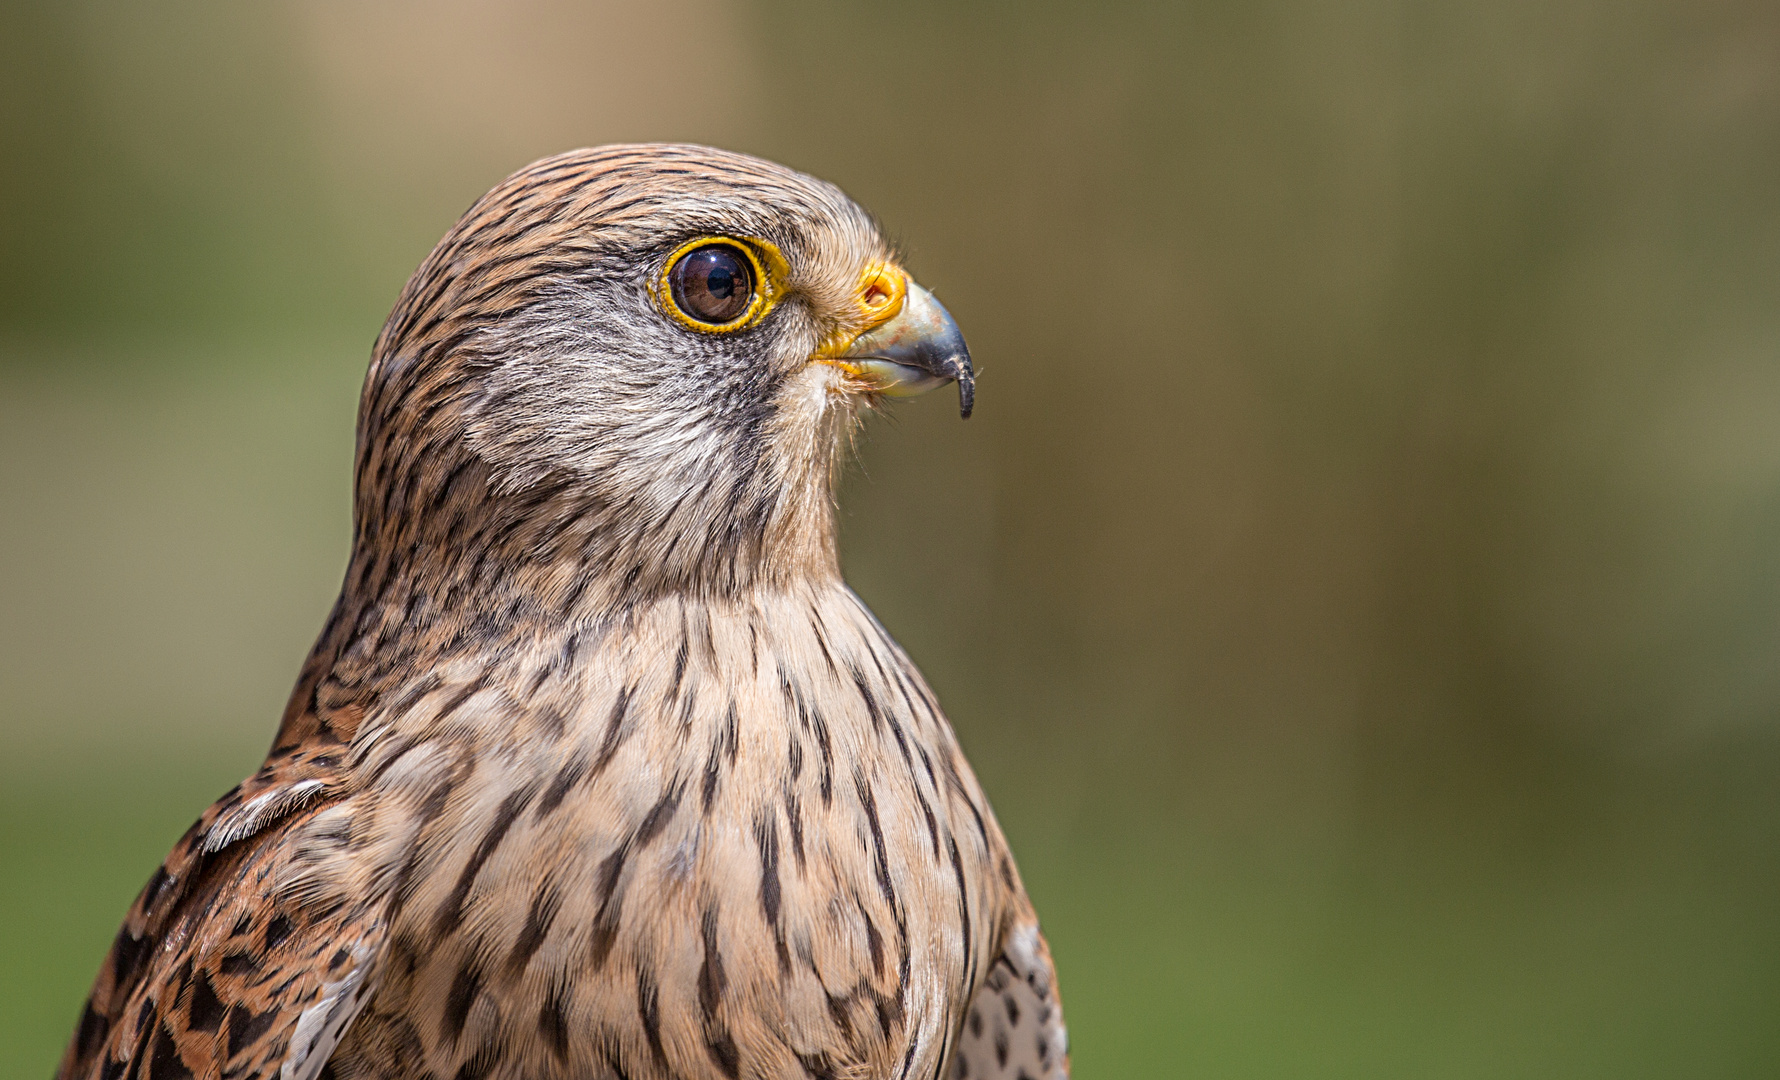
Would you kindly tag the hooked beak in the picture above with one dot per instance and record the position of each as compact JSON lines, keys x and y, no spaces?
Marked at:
{"x":917,"y":350}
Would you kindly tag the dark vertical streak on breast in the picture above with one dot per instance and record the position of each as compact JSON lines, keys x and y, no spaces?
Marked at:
{"x":711,"y":979}
{"x":659,"y":814}
{"x":615,"y":730}
{"x":970,"y":960}
{"x":459,"y":696}
{"x":826,"y":746}
{"x":723,"y":749}
{"x":932,"y":825}
{"x":956,"y":783}
{"x":537,"y":926}
{"x":553,"y":1023}
{"x":766,"y":836}
{"x":880,"y":857}
{"x":680,"y":655}
{"x":510,"y":809}
{"x":686,"y":711}
{"x":605,"y":922}
{"x":794,"y":822}
{"x":821,"y":629}
{"x":707,"y":639}
{"x":649,"y":1012}
{"x":724,"y":1053}
{"x":566,"y":778}
{"x":431,"y":808}
{"x":871,"y":701}
{"x":464,"y":990}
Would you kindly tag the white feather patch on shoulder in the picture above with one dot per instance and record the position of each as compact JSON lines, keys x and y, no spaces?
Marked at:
{"x":246,"y":819}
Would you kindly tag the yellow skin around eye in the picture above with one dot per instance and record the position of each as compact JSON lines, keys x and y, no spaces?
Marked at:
{"x":770,"y":270}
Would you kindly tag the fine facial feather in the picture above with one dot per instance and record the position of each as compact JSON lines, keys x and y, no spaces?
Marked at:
{"x":598,"y":769}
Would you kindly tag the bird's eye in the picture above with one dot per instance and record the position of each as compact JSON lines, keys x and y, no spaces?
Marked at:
{"x":713,"y":284}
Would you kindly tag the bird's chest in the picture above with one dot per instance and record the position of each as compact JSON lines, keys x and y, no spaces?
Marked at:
{"x":775,"y":883}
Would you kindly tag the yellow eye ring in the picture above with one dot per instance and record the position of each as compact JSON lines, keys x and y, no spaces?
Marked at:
{"x":687,"y":275}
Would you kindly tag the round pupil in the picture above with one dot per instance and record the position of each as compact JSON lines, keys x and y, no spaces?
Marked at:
{"x":713,"y":284}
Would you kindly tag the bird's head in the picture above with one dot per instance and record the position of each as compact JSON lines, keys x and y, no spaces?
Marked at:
{"x":636,"y":364}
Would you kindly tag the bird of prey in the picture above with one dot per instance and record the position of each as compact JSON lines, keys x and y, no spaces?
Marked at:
{"x":598,"y":768}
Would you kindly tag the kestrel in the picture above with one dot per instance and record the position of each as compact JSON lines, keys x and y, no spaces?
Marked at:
{"x":598,"y":768}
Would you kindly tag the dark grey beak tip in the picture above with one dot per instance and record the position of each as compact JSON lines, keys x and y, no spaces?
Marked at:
{"x":967,"y":387}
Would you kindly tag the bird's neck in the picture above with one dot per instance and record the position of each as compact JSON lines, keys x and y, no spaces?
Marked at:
{"x":403,"y":634}
{"x":550,"y":554}
{"x":480,"y":572}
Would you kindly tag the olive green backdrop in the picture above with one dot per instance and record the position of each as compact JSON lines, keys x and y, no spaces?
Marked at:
{"x":1359,"y":588}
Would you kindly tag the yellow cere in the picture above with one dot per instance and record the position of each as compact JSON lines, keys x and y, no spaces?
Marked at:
{"x":883,"y":288}
{"x":770,"y":273}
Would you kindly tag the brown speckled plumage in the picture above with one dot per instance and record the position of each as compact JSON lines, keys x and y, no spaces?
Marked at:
{"x":598,"y":769}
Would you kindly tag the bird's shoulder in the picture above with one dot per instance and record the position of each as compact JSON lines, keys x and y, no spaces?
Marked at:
{"x":220,"y":967}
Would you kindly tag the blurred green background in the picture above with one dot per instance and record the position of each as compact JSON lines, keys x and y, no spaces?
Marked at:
{"x":1359,"y":588}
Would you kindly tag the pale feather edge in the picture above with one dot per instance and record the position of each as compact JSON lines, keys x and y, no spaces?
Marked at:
{"x":322,"y":1025}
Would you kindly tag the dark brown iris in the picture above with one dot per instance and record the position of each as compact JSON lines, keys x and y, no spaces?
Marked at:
{"x":713,"y":284}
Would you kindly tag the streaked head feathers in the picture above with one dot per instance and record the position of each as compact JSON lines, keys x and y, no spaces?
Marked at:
{"x":532,"y":363}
